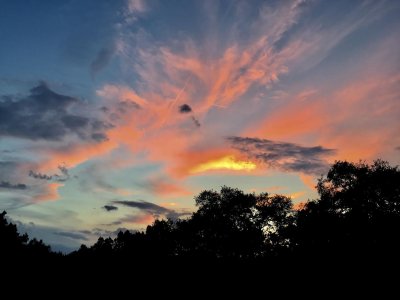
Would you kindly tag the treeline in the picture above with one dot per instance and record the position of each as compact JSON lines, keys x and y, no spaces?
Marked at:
{"x":357,"y":214}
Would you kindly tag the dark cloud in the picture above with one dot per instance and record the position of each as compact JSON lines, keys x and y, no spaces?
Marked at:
{"x":127,"y":106}
{"x":104,"y":109}
{"x":72,"y":235}
{"x":143,"y":205}
{"x":284,"y":156}
{"x":64,"y":176}
{"x":153,"y":209}
{"x":98,"y":125}
{"x":99,"y":137}
{"x":38,"y":175}
{"x":47,"y":115}
{"x":63,"y":170}
{"x":119,"y":222}
{"x":110,"y":207}
{"x":196,"y":122}
{"x":102,"y":59}
{"x":7,"y":185}
{"x":185,"y":108}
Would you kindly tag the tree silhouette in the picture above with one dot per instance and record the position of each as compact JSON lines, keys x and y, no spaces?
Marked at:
{"x":358,"y":211}
{"x":13,"y":244}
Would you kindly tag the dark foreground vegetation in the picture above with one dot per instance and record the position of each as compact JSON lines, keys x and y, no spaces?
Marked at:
{"x":357,"y":216}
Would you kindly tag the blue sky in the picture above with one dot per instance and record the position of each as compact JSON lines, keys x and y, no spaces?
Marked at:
{"x":151,"y":102}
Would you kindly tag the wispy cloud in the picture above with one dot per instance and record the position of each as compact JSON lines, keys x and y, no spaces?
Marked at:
{"x":102,"y":59}
{"x":73,"y":235}
{"x":8,"y":185}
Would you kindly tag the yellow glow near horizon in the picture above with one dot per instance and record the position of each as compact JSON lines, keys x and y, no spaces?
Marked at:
{"x":224,"y":163}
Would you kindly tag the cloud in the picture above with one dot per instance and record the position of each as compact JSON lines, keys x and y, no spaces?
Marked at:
{"x":38,"y":175}
{"x":64,"y":176}
{"x":153,"y":209}
{"x":143,"y":205}
{"x":110,"y":207}
{"x":50,"y":192}
{"x":45,"y":115}
{"x":284,"y":156}
{"x":7,"y":185}
{"x":137,"y":6}
{"x":144,"y":219}
{"x":196,"y":122}
{"x":101,"y":61}
{"x":165,"y":188}
{"x":72,"y":235}
{"x":185,"y":108}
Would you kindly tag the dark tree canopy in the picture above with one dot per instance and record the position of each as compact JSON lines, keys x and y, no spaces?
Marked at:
{"x":358,"y":211}
{"x":12,"y":243}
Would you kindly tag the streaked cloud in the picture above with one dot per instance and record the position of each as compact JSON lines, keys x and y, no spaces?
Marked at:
{"x":284,"y":156}
{"x":153,"y":209}
{"x":73,"y":235}
{"x":16,"y":186}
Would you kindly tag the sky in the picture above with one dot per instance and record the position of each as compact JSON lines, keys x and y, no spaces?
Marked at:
{"x":115,"y":113}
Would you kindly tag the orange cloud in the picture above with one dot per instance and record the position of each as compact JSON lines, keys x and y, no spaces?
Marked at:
{"x":51,"y":192}
{"x":167,"y":189}
{"x":144,"y":219}
{"x":298,"y":118}
{"x":75,"y":154}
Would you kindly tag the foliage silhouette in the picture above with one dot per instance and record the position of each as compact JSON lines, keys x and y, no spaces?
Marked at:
{"x":14,"y":244}
{"x":358,"y":212}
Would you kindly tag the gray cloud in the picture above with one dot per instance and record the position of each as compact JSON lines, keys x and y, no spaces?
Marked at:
{"x":110,"y":207}
{"x":153,"y":209}
{"x":38,"y":175}
{"x":127,"y":106}
{"x":8,"y":185}
{"x":196,"y":122}
{"x":47,"y":115}
{"x":143,"y":205}
{"x":64,"y":176}
{"x":185,"y":108}
{"x":284,"y":156}
{"x":72,"y":235}
{"x":99,"y":137}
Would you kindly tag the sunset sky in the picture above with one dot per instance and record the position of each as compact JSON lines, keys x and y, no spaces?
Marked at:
{"x":114,"y":113}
